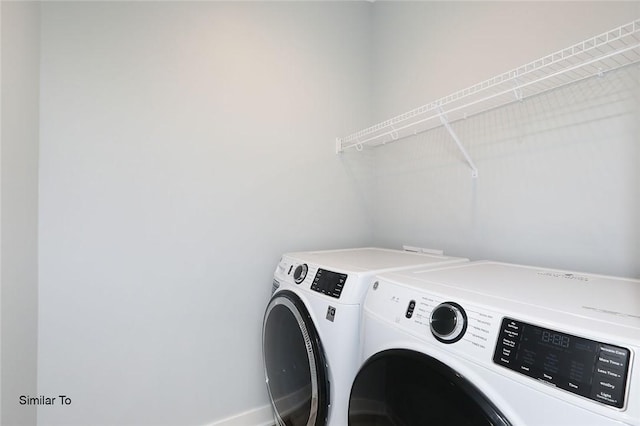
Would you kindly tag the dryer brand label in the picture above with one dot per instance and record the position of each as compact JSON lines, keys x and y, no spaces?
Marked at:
{"x":564,"y":276}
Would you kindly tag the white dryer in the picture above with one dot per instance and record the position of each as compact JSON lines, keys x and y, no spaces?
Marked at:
{"x":311,"y":328}
{"x":486,"y":343}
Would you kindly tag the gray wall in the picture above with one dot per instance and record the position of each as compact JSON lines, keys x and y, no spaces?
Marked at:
{"x":184,"y":147}
{"x":558,"y":174}
{"x":19,"y":201}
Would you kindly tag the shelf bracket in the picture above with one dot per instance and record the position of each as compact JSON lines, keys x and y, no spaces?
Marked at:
{"x":445,"y":123}
{"x":517,"y":90}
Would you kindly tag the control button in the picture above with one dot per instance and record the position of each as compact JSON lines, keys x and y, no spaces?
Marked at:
{"x":612,"y":362}
{"x":614,"y":352}
{"x":410,"y":309}
{"x":300,"y":273}
{"x":614,"y":374}
{"x":512,"y":325}
{"x":511,"y":333}
{"x":448,"y":322}
{"x":547,"y":377}
{"x":607,"y":396}
{"x":508,"y":343}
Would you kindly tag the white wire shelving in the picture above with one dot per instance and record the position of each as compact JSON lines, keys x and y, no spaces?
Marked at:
{"x":594,"y":57}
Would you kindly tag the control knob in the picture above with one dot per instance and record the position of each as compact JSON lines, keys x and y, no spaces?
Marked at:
{"x":300,"y":273}
{"x":448,"y":322}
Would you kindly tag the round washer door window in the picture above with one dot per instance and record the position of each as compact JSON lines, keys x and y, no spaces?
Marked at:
{"x":403,"y":387}
{"x":294,"y":363}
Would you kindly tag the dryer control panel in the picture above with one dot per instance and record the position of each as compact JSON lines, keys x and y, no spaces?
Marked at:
{"x":592,"y":369}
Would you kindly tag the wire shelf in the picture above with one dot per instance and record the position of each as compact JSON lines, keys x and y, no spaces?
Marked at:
{"x":595,"y":56}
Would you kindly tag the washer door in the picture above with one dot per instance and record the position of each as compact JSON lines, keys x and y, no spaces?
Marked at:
{"x":403,"y":387}
{"x":294,"y":363}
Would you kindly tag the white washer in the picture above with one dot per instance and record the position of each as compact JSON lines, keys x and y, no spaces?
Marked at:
{"x":311,"y":328}
{"x":493,"y":343}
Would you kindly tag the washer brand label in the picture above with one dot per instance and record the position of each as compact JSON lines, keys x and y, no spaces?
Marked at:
{"x":564,"y":276}
{"x":331,"y":313}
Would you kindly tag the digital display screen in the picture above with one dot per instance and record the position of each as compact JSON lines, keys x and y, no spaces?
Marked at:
{"x":329,"y":283}
{"x":592,"y":369}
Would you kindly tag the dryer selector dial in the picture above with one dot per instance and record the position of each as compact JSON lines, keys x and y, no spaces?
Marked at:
{"x":300,"y":273}
{"x":448,"y":322}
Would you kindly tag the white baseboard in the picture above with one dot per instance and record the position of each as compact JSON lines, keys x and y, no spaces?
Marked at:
{"x":261,"y":416}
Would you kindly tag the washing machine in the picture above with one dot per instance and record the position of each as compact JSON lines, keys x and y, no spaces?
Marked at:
{"x":489,"y":343}
{"x":311,"y":326}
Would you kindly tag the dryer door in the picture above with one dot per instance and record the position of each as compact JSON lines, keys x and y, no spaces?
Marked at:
{"x":294,"y":362}
{"x":403,"y":387}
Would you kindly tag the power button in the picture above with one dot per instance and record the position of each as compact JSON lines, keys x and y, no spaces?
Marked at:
{"x":410,"y":308}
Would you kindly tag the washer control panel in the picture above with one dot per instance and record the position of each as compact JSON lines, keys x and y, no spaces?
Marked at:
{"x":588,"y":368}
{"x":329,"y":283}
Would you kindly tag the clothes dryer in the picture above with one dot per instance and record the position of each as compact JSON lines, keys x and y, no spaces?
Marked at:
{"x":486,"y":343}
{"x":311,"y":328}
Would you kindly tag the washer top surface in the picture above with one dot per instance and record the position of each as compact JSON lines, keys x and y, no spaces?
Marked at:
{"x":370,"y":259}
{"x":534,"y":290}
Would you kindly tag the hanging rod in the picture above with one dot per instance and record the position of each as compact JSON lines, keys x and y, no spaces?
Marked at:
{"x":617,"y":48}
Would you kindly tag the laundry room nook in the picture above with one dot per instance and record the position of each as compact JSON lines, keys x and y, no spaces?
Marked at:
{"x":219,"y":213}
